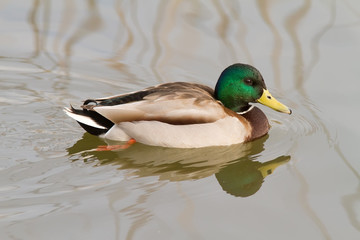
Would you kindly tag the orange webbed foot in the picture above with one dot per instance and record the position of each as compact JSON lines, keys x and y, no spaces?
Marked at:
{"x":116,"y":147}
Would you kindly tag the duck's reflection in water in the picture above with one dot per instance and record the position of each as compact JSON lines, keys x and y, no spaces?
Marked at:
{"x":245,"y":177}
{"x":235,"y":167}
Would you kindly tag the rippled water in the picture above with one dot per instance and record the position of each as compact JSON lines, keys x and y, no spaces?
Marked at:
{"x":301,"y":181}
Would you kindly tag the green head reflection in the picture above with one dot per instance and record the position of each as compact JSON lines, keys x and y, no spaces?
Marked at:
{"x":245,"y":177}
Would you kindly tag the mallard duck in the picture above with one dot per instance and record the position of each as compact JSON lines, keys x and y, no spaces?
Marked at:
{"x":184,"y":115}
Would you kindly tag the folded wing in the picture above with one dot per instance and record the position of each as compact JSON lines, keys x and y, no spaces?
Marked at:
{"x":173,"y":103}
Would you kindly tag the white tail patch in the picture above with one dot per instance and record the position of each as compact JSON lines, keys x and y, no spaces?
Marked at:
{"x":83,"y":119}
{"x":116,"y":134}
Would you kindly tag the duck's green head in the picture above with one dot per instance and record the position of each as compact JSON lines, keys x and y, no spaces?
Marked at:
{"x":241,"y":84}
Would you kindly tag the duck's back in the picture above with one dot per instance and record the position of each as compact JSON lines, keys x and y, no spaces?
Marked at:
{"x":174,"y":103}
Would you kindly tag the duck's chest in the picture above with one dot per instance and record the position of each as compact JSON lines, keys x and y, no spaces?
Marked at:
{"x":258,"y":122}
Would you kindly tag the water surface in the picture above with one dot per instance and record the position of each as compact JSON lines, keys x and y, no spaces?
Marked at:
{"x":301,"y":181}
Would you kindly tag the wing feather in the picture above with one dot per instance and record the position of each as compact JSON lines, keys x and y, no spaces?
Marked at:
{"x":174,"y":103}
{"x":175,"y":111}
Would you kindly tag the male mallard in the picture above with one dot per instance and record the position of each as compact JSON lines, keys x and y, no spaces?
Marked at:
{"x":184,"y":115}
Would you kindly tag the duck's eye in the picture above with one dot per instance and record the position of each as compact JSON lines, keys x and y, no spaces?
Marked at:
{"x":248,"y":82}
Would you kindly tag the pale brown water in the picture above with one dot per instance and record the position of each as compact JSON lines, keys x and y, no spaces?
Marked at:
{"x":299,"y":182}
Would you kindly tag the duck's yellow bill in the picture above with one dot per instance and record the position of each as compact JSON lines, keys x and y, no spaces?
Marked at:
{"x":269,"y":101}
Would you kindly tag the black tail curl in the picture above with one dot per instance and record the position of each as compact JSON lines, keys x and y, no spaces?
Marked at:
{"x":99,"y":119}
